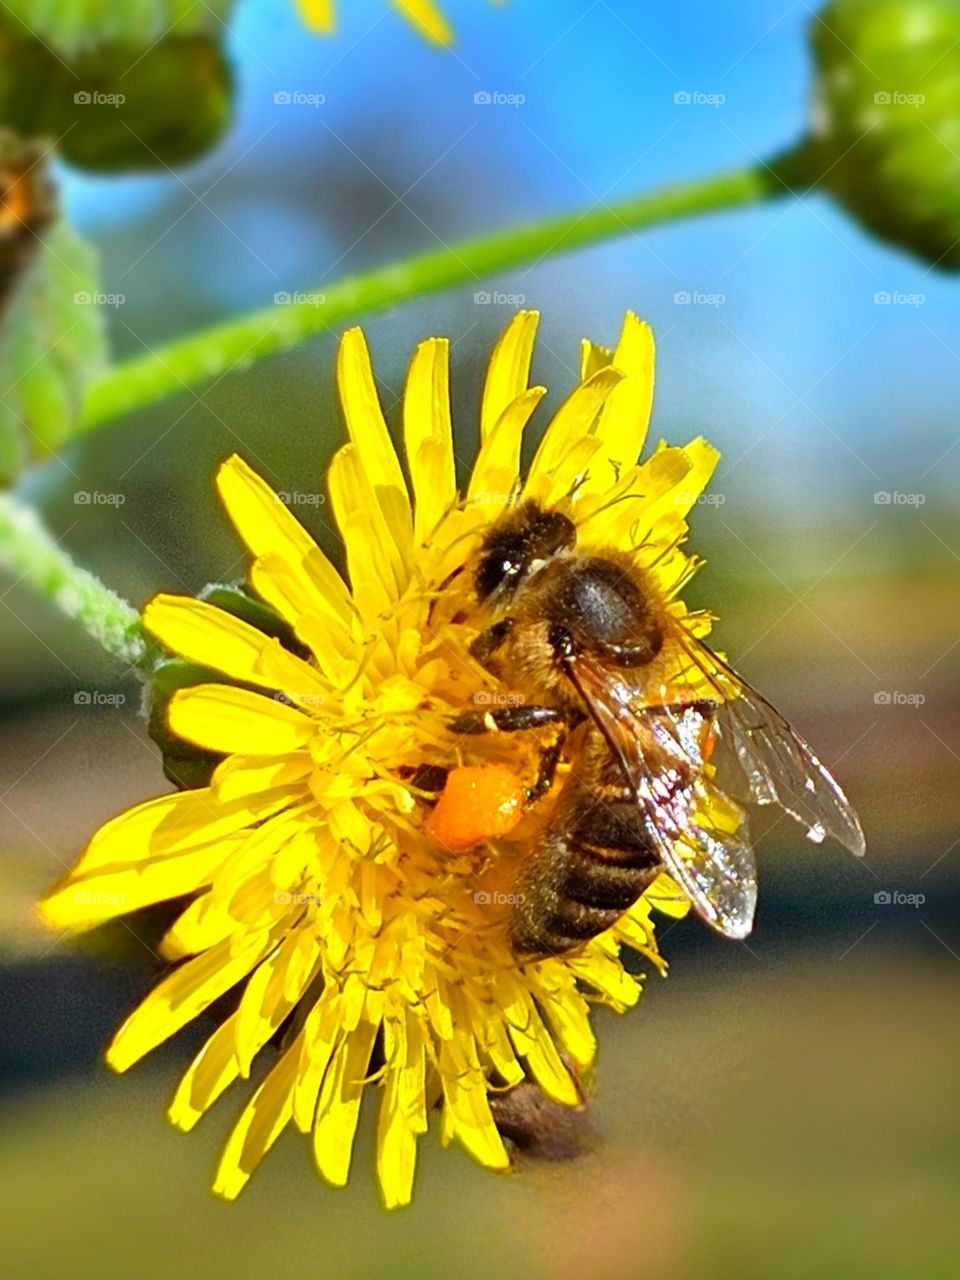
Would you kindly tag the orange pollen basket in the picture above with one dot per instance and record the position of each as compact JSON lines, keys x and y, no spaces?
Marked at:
{"x":479,"y":802}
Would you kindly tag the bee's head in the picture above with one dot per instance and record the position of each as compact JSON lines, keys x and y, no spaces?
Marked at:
{"x":517,"y":543}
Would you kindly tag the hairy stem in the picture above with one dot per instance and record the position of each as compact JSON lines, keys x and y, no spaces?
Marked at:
{"x":192,"y":361}
{"x":31,"y":555}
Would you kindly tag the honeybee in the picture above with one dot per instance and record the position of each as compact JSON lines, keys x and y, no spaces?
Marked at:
{"x":653,"y":724}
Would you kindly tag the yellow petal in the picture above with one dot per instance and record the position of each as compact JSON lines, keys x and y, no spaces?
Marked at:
{"x":368,"y":431}
{"x":508,"y":373}
{"x":181,"y":997}
{"x":572,"y":421}
{"x":318,"y":15}
{"x":428,"y":435}
{"x":218,"y":717}
{"x":378,"y":572}
{"x":240,"y":776}
{"x":262,"y":1122}
{"x":212,"y":1071}
{"x":402,"y":1110}
{"x":546,"y":1065}
{"x":214,"y":638}
{"x":624,"y":418}
{"x":322,"y":1035}
{"x":84,"y":901}
{"x":172,"y":824}
{"x":339,"y":1106}
{"x":427,"y":18}
{"x":199,"y":926}
{"x":592,"y":358}
{"x":267,"y":998}
{"x":326,"y":634}
{"x":497,"y":469}
{"x":268,"y":528}
{"x":465,"y":1098}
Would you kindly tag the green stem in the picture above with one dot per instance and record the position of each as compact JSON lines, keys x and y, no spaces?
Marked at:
{"x":192,"y":361}
{"x":29,"y":552}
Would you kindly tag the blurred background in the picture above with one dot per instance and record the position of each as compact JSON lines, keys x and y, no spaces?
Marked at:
{"x":785,"y":1107}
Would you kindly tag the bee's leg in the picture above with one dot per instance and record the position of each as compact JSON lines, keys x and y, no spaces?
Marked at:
{"x":510,"y":719}
{"x":488,"y":642}
{"x":515,"y":719}
{"x":430,"y":778}
{"x":547,"y":771}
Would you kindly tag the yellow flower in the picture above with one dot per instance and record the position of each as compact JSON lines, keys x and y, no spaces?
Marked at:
{"x":320,"y":15}
{"x":369,"y":952}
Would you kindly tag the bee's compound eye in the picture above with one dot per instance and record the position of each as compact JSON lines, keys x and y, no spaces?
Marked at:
{"x":527,"y":535}
{"x":551,"y":532}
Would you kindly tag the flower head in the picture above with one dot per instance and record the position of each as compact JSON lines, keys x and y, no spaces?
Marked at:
{"x":364,"y":932}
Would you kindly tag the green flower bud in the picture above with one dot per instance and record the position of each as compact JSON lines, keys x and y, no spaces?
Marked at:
{"x":887,"y":119}
{"x":117,"y":107}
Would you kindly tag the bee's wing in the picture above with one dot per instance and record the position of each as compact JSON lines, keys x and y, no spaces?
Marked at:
{"x":660,"y":753}
{"x":778,"y":765}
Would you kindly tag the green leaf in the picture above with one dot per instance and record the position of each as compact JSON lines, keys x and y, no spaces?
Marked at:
{"x":72,"y":27}
{"x":52,"y":344}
